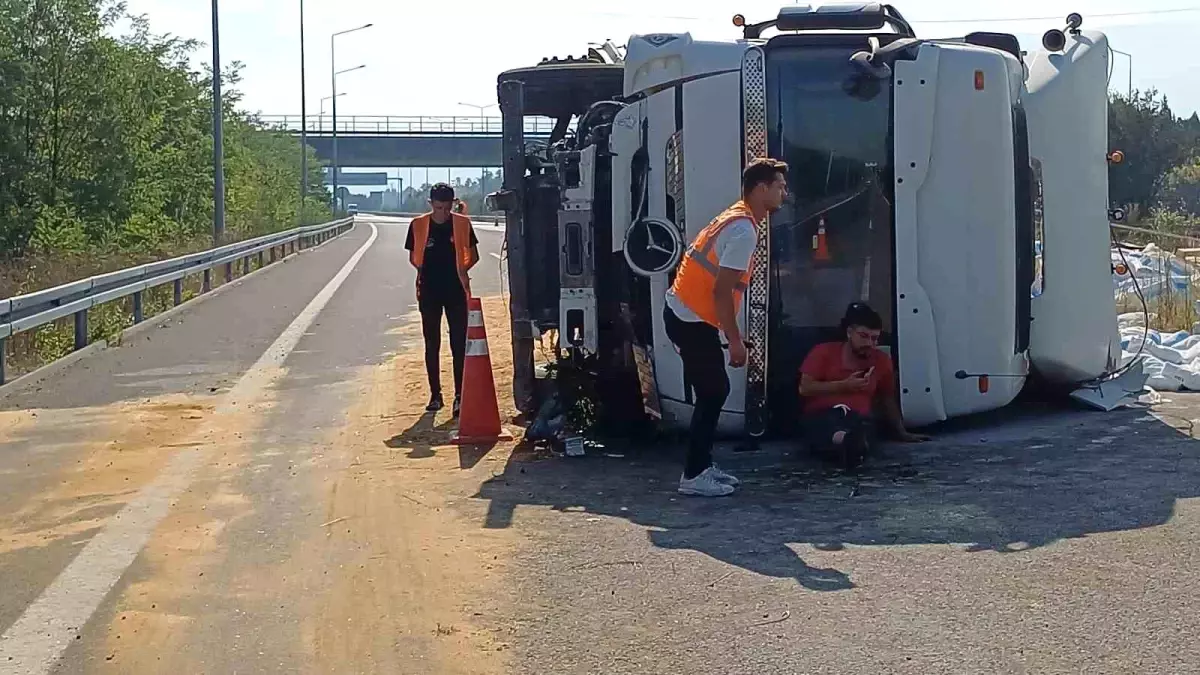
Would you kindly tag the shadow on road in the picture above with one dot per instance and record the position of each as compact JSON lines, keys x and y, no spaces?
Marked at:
{"x":422,"y":437}
{"x":1045,"y":476}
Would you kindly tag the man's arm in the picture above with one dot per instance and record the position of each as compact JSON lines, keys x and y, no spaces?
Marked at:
{"x":474,"y":248}
{"x":727,"y":280}
{"x":894,"y":419}
{"x":408,"y":244}
{"x":811,"y":386}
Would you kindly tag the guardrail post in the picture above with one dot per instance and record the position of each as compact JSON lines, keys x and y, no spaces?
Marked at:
{"x":272,"y":254}
{"x":178,"y":289}
{"x":228,"y":272}
{"x":81,"y":329}
{"x":3,"y":358}
{"x":138,"y":313}
{"x":260,"y":258}
{"x":207,"y":281}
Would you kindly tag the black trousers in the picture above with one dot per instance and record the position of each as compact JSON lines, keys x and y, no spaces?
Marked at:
{"x":820,"y":426}
{"x":454,"y":305}
{"x":704,"y":371}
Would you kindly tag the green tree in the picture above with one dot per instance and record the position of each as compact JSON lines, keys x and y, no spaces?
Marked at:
{"x":106,"y":142}
{"x":1153,"y":140}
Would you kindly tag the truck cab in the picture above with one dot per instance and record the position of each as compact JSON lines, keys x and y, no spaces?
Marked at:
{"x":923,"y":175}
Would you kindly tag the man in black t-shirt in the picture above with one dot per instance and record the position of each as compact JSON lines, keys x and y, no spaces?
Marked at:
{"x":448,"y":249}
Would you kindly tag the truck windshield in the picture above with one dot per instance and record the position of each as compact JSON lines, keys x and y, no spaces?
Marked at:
{"x":832,"y":127}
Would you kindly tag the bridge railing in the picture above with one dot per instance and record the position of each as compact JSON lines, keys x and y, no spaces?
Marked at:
{"x":26,"y":312}
{"x":392,"y":124}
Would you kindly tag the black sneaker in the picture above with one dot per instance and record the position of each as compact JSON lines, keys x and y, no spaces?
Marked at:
{"x":435,"y":403}
{"x":457,"y":405}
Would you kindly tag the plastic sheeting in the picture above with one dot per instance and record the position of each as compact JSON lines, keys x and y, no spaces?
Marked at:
{"x":1157,"y":271}
{"x":1171,"y":360}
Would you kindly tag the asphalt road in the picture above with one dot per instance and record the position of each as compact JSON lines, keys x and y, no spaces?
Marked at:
{"x":253,"y":488}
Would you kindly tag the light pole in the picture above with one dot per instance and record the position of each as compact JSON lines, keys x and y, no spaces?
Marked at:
{"x":333,"y":69}
{"x":336,"y":200}
{"x":1130,"y":57}
{"x":482,"y":129}
{"x":327,"y":98}
{"x":218,"y":134}
{"x":303,"y":123}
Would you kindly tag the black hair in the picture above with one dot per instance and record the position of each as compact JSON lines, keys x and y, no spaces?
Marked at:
{"x":761,"y":170}
{"x":441,"y":192}
{"x":861,"y":314}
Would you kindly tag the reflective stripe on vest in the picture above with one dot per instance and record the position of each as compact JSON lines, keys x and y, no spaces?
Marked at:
{"x":696,"y":278}
{"x":461,"y":236}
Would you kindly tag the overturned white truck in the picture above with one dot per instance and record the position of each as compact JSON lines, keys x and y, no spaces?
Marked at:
{"x":922,"y":172}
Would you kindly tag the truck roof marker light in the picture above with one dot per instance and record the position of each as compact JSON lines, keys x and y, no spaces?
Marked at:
{"x":979,"y":80}
{"x":1116,"y":157}
{"x":983,"y":384}
{"x":739,"y":21}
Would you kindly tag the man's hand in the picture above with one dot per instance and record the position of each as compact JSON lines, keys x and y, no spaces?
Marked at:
{"x":466,"y":284}
{"x":737,"y":353}
{"x":856,"y":382}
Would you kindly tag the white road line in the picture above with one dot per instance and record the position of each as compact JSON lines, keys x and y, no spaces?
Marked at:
{"x":33,"y":645}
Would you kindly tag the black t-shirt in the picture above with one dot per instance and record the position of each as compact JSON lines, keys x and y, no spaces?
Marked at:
{"x":438,"y":271}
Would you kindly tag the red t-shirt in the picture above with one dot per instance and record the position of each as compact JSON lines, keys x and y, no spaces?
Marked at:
{"x":825,"y":363}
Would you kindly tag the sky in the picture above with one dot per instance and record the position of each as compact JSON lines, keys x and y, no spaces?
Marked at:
{"x":428,"y":58}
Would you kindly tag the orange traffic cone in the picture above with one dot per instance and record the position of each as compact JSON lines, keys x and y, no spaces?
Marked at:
{"x":479,"y":414}
{"x":820,"y":248}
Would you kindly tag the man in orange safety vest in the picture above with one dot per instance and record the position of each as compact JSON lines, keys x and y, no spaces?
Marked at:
{"x":443,"y":248}
{"x":704,"y":302}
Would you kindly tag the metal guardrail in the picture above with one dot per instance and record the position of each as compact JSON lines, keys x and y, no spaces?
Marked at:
{"x":26,"y":312}
{"x":390,"y":124}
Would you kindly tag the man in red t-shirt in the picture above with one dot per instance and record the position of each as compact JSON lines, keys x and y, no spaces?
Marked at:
{"x":841,"y":385}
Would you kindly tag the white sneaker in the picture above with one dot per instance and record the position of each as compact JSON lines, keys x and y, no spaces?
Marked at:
{"x":704,"y":485}
{"x":725,"y":477}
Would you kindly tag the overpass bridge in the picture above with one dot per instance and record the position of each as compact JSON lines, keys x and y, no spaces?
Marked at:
{"x":395,"y":142}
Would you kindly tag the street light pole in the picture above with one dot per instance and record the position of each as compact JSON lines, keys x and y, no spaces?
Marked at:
{"x":1130,"y":57}
{"x":336,"y":198}
{"x":303,"y":123}
{"x":218,"y":134}
{"x":333,"y":86}
{"x":327,"y":98}
{"x":482,"y":129}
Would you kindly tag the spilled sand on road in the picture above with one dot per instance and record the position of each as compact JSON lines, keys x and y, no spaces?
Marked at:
{"x":396,"y":573}
{"x":421,"y":577}
{"x":151,"y":618}
{"x":117,"y":449}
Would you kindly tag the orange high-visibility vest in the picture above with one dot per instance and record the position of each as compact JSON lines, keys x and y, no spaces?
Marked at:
{"x":697,"y":276}
{"x":462,"y":240}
